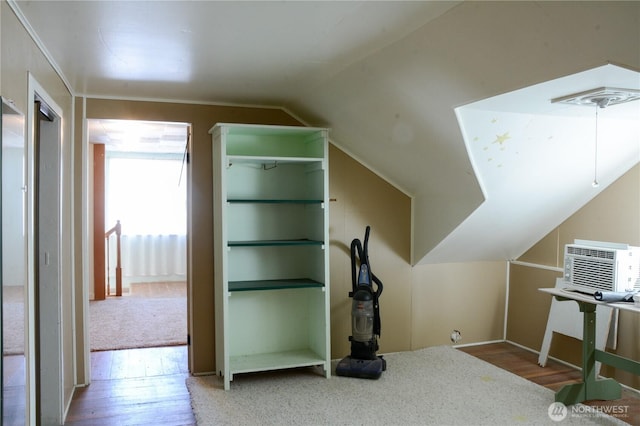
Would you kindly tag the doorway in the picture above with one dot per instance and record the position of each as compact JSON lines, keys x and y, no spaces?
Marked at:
{"x":14,"y":266}
{"x":139,"y":186}
{"x":49,"y":304}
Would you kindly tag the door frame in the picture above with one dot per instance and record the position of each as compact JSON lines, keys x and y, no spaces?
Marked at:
{"x":54,"y":358}
{"x":83,"y":365}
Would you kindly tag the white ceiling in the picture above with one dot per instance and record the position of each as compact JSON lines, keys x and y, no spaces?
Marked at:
{"x":399,"y":83}
{"x":245,"y":52}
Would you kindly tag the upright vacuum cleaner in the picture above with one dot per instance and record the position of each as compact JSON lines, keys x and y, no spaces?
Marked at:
{"x":365,"y":318}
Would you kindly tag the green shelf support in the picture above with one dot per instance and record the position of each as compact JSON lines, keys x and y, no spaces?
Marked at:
{"x":265,"y":243}
{"x":272,"y":201}
{"x":281,"y":284}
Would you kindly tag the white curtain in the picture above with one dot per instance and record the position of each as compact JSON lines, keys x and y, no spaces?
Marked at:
{"x":151,"y":256}
{"x":147,"y":194}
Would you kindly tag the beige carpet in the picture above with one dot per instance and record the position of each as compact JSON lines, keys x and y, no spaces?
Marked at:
{"x":148,"y":317}
{"x":439,"y":386}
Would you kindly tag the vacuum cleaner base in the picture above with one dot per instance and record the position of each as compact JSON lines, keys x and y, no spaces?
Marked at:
{"x":361,"y":368}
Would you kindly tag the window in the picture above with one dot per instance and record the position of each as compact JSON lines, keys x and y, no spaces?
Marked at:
{"x":146,"y":193}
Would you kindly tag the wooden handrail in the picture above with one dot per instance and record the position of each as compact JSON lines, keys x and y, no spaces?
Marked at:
{"x":117,"y":229}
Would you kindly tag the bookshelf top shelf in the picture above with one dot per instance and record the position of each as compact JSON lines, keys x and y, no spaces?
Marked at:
{"x":271,"y":141}
{"x":270,"y":161}
{"x":267,"y":130}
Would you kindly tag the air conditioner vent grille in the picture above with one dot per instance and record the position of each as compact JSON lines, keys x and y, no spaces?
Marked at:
{"x":590,"y":252}
{"x":593,"y":273}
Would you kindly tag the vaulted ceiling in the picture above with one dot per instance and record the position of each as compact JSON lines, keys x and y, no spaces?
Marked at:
{"x":449,"y":101}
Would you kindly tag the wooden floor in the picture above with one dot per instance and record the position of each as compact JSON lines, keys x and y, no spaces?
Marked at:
{"x":13,"y":390}
{"x":147,"y":386}
{"x":553,"y":376}
{"x":135,"y":387}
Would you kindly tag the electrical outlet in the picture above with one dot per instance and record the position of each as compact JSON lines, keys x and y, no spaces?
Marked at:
{"x":456,"y":336}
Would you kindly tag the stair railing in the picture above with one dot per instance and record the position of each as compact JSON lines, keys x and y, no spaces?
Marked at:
{"x":117,"y":229}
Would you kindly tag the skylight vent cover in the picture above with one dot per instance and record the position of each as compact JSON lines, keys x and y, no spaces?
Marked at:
{"x":603,"y":97}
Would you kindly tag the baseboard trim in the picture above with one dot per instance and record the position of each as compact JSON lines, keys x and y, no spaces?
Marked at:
{"x":487,"y":342}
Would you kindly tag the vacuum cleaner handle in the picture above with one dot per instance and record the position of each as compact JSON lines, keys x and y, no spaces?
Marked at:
{"x":365,"y":251}
{"x":355,"y":247}
{"x":376,"y":294}
{"x":364,"y":258}
{"x":376,"y":307}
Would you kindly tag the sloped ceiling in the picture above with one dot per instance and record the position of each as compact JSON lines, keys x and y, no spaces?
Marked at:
{"x":396,"y":110}
{"x":539,"y":161}
{"x":399,"y":83}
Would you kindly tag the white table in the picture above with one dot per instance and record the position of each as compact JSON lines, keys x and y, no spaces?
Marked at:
{"x":591,"y":388}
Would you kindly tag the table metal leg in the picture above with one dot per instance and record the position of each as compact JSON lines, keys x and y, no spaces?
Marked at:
{"x":590,"y":388}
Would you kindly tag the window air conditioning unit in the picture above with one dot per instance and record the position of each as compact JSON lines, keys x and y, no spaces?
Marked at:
{"x":591,"y":266}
